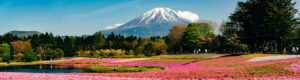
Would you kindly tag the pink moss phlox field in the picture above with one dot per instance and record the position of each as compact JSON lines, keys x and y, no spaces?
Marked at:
{"x":219,"y":68}
{"x":294,"y":68}
{"x":143,"y":64}
{"x":44,"y":76}
{"x":225,"y":68}
{"x":85,"y":60}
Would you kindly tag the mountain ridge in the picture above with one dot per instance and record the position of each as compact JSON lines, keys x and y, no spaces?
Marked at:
{"x":23,"y":33}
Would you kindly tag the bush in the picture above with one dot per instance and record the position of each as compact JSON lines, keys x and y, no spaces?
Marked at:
{"x":18,"y":56}
{"x":106,"y":53}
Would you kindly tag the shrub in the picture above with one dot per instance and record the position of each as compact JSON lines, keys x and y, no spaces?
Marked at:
{"x":105,"y":53}
{"x":18,"y":56}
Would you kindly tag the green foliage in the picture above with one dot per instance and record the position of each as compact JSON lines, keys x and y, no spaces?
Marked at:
{"x":193,"y":32}
{"x":51,"y":54}
{"x":5,"y":52}
{"x":235,"y":44}
{"x":175,"y":38}
{"x":99,"y":40}
{"x":60,"y":52}
{"x":29,"y":56}
{"x":265,"y":22}
{"x":68,"y":47}
{"x":119,"y":68}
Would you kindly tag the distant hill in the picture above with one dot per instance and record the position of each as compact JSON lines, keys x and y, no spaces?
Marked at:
{"x":23,"y":33}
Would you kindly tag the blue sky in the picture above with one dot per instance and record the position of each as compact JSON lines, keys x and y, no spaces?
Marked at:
{"x":80,"y":17}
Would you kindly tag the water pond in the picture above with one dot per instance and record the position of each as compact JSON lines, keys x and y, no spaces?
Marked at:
{"x":46,"y":68}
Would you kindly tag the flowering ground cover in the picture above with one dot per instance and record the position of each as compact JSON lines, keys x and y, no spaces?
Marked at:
{"x":45,"y":76}
{"x":229,"y":67}
{"x":190,"y":56}
{"x":234,"y":67}
{"x":294,"y":67}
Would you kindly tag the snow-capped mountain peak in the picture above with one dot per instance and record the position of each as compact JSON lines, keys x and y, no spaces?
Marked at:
{"x":155,"y":22}
{"x":159,"y":15}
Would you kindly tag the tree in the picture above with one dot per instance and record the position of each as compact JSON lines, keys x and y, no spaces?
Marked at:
{"x":5,"y":52}
{"x":51,"y":54}
{"x":235,"y":45}
{"x":60,"y":52}
{"x":229,"y":29}
{"x":59,"y":42}
{"x":68,"y":47}
{"x":193,"y":32}
{"x":159,"y":46}
{"x":29,"y":56}
{"x":40,"y":53}
{"x":99,"y":40}
{"x":265,"y":22}
{"x":174,"y":38}
{"x":19,"y":46}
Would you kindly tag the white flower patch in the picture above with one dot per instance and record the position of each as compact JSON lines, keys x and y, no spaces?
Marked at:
{"x":266,"y":58}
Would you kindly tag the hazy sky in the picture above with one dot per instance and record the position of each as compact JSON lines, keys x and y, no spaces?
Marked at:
{"x":79,"y":17}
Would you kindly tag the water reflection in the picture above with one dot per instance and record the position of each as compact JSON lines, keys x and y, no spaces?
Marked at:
{"x":45,"y":68}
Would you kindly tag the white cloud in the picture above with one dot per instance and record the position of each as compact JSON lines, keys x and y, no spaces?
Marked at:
{"x":113,"y":26}
{"x":193,"y":17}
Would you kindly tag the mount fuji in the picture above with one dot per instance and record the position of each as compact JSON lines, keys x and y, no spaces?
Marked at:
{"x":155,"y":22}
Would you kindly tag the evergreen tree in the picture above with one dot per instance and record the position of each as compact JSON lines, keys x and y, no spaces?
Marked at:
{"x":99,"y":40}
{"x":5,"y":52}
{"x":265,"y":22}
{"x":68,"y":47}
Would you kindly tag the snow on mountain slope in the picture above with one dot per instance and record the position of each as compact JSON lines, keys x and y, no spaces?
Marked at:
{"x":155,"y":22}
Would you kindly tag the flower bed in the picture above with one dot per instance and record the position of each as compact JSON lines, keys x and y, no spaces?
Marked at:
{"x":234,"y":67}
{"x":294,"y":67}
